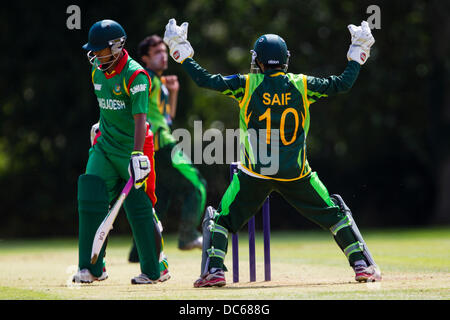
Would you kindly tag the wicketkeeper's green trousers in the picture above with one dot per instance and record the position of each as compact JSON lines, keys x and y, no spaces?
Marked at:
{"x":246,"y":195}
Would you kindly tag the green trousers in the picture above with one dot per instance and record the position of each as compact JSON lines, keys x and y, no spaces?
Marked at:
{"x":246,"y":195}
{"x":105,"y":177}
{"x":177,"y":177}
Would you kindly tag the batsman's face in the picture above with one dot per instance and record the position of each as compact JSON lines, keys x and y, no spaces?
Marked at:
{"x":104,"y":55}
{"x":158,"y":57}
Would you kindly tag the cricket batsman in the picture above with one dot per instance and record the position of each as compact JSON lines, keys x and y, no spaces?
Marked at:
{"x":270,"y":99}
{"x":122,"y":88}
{"x":149,"y":187}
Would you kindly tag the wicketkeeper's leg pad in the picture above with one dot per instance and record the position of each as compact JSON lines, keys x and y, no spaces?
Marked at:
{"x":215,"y":241}
{"x":348,"y":236}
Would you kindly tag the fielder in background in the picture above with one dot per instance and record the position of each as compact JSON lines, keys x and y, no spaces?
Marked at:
{"x":270,"y":99}
{"x":122,"y":88}
{"x":176,"y":176}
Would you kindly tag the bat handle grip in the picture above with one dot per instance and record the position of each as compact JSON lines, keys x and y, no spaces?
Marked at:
{"x":128,"y":186}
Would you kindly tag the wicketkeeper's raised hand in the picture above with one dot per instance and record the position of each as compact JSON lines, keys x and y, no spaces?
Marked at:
{"x":139,"y":168}
{"x":176,"y":39}
{"x":362,"y":41}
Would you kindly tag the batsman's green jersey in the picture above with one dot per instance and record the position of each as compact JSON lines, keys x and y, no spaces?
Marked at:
{"x":158,"y":112}
{"x":121,"y":94}
{"x":274,"y":100}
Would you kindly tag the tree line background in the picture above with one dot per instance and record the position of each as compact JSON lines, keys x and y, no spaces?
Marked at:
{"x":384,"y":146}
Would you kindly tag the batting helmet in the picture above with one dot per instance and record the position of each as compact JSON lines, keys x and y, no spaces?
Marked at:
{"x":104,"y":34}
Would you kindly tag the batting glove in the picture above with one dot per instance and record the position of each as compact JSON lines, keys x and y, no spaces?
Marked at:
{"x":94,"y":130}
{"x":176,"y":39}
{"x":362,"y":41}
{"x":139,"y":168}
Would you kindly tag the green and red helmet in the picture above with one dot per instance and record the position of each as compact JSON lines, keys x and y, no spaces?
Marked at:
{"x":104,"y":34}
{"x":271,"y":49}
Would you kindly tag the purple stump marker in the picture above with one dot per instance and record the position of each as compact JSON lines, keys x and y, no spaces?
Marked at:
{"x":234,"y":236}
{"x":251,"y":248}
{"x":266,"y":235}
{"x":235,"y":244}
{"x":251,"y":235}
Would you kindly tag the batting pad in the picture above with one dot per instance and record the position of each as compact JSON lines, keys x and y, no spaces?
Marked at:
{"x":92,"y":209}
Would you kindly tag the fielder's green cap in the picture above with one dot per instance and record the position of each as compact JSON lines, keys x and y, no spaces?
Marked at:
{"x":271,"y":49}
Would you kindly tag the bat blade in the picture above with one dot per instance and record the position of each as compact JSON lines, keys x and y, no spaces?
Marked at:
{"x":106,"y":225}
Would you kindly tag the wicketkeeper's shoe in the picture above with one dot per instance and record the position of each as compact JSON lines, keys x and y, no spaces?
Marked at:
{"x":364,"y":273}
{"x":211,"y":279}
{"x":85,"y":276}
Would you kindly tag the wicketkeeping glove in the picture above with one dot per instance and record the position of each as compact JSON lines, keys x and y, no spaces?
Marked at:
{"x":362,"y":41}
{"x":139,"y":168}
{"x":176,"y":39}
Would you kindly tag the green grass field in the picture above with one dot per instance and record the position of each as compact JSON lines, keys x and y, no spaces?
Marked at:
{"x":415,"y":264}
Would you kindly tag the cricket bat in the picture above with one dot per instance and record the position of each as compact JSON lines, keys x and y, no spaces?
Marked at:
{"x":107,"y":223}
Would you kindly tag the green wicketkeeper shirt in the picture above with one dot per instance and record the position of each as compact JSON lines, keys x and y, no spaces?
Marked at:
{"x":274,"y":100}
{"x":121,"y":94}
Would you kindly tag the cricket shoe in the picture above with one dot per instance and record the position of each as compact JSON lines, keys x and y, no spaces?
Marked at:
{"x":165,"y":275}
{"x":364,"y":273}
{"x":211,"y":279}
{"x":196,"y":243}
{"x":85,"y":276}
{"x":144,"y":279}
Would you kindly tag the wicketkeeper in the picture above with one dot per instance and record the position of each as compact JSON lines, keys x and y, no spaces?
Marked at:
{"x":122,"y":88}
{"x":272,"y":100}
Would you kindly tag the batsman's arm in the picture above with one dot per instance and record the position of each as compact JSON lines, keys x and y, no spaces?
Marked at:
{"x":232,"y":86}
{"x":139,"y":89}
{"x":139,"y":96}
{"x":140,"y":131}
{"x":323,"y":87}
